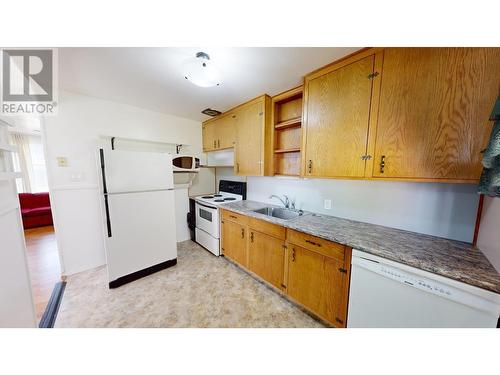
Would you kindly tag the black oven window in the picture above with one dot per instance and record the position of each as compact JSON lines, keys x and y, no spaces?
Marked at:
{"x":205,"y":214}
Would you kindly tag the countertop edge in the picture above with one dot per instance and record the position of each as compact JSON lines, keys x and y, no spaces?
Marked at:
{"x":485,"y":285}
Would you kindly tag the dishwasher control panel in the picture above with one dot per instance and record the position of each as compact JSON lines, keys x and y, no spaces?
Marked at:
{"x":424,"y":284}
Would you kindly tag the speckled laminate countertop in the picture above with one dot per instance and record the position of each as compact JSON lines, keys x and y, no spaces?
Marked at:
{"x":453,"y":259}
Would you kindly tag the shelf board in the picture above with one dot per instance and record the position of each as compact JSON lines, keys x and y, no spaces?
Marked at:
{"x":287,"y":175}
{"x":10,"y":175}
{"x":288,"y":123}
{"x":282,"y":151}
{"x":6,"y":147}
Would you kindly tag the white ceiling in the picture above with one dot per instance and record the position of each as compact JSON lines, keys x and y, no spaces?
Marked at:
{"x":151,"y":77}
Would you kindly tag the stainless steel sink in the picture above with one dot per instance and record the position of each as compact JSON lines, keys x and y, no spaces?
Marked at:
{"x":280,"y":213}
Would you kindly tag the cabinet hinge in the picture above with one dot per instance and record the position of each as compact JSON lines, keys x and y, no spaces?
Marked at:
{"x":222,"y":222}
{"x":339,"y":320}
{"x":284,"y":247}
{"x":283,"y":286}
{"x":373,"y":75}
{"x":343,"y":270}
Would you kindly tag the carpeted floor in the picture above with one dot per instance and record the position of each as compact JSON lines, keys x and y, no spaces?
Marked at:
{"x":200,"y":291}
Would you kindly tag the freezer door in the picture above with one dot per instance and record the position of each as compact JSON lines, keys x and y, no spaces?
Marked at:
{"x":129,"y":171}
{"x":143,"y":232}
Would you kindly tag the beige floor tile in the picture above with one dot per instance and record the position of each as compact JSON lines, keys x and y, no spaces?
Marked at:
{"x":200,"y":291}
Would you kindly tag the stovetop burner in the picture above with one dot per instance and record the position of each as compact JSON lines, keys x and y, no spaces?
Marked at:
{"x":217,"y":195}
{"x":229,"y":199}
{"x":208,"y":197}
{"x":219,"y":200}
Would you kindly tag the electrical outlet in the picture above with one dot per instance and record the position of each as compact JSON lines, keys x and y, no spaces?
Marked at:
{"x":76,"y":177}
{"x":328,"y":204}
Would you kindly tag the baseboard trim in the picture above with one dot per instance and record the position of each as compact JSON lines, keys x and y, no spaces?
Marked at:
{"x":142,"y":273}
{"x":49,"y":316}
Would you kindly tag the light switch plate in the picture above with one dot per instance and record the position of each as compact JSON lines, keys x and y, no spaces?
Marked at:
{"x":62,"y":161}
{"x":328,"y":204}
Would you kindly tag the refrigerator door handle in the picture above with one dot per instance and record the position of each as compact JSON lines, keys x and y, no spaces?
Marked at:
{"x":105,"y":191}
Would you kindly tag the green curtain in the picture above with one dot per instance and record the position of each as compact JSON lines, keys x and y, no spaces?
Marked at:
{"x":489,"y":184}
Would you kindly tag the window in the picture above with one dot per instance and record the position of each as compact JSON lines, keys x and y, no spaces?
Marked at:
{"x":39,"y":172}
{"x":30,"y":161}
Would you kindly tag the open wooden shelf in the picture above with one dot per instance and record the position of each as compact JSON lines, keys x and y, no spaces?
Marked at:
{"x":282,"y":151}
{"x":288,"y":123}
{"x":287,"y":134}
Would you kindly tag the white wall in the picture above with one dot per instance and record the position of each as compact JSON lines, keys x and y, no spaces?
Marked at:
{"x":488,"y":239}
{"x":75,"y":134}
{"x":445,"y":210}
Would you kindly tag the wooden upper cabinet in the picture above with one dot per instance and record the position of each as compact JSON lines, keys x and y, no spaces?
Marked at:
{"x":248,"y":129}
{"x":336,"y":119}
{"x":252,"y":128}
{"x":219,"y":133}
{"x":208,"y":136}
{"x":266,"y":257}
{"x":433,"y":112}
{"x":226,"y":131}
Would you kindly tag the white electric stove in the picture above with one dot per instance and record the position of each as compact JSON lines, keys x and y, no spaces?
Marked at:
{"x":207,"y":230}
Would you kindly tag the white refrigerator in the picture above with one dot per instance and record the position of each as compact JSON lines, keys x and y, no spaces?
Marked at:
{"x":138,"y":213}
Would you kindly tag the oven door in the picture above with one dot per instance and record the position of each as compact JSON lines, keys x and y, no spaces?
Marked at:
{"x":207,"y":219}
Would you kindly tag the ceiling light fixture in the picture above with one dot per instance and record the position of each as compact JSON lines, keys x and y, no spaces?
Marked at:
{"x":201,"y":71}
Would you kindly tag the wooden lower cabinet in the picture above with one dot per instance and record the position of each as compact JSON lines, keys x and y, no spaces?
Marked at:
{"x":266,"y":258}
{"x":317,"y":282}
{"x":234,"y":242}
{"x":315,"y":274}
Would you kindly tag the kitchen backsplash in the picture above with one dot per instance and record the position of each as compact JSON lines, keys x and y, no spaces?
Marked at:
{"x":444,"y":210}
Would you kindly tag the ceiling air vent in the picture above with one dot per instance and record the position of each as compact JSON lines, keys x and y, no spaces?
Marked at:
{"x":211,"y":112}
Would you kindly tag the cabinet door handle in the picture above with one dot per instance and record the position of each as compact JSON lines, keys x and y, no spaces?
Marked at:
{"x":232,"y":217}
{"x":313,"y":243}
{"x":215,"y":143}
{"x":382,"y":164}
{"x":251,"y":236}
{"x":293,"y":255}
{"x":310,"y":166}
{"x":237,"y":167}
{"x":242,"y":233}
{"x":218,"y":143}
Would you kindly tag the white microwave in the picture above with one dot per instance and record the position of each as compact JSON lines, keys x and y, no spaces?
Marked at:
{"x":185,"y":163}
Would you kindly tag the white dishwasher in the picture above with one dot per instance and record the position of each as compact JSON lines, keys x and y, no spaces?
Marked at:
{"x":384,"y":294}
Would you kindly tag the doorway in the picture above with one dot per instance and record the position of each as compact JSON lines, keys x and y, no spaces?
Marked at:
{"x":28,"y":159}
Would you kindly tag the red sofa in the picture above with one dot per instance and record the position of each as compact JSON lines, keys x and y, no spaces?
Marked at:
{"x":35,"y":210}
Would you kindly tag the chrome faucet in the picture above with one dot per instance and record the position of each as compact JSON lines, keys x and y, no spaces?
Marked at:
{"x":285,"y":202}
